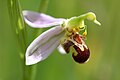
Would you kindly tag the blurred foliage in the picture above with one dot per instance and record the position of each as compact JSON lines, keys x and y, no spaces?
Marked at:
{"x":103,"y":42}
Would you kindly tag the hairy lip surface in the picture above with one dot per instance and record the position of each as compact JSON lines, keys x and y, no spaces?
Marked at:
{"x":82,"y":56}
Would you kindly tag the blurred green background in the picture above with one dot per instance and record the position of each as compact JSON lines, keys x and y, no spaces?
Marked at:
{"x":103,"y":41}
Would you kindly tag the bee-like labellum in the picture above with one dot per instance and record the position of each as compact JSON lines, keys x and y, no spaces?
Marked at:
{"x":81,"y":53}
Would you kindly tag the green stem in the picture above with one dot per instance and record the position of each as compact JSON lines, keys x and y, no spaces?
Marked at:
{"x":43,"y":5}
{"x":19,"y":29}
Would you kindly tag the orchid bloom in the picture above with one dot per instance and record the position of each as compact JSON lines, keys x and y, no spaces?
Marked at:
{"x":64,"y":35}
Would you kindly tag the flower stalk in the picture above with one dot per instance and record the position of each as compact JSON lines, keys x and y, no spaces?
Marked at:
{"x":19,"y":30}
{"x":43,"y":5}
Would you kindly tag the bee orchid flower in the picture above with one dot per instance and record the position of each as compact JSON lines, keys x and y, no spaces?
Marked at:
{"x":63,"y":35}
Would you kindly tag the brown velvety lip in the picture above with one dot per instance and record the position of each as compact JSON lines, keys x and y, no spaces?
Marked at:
{"x":82,"y":56}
